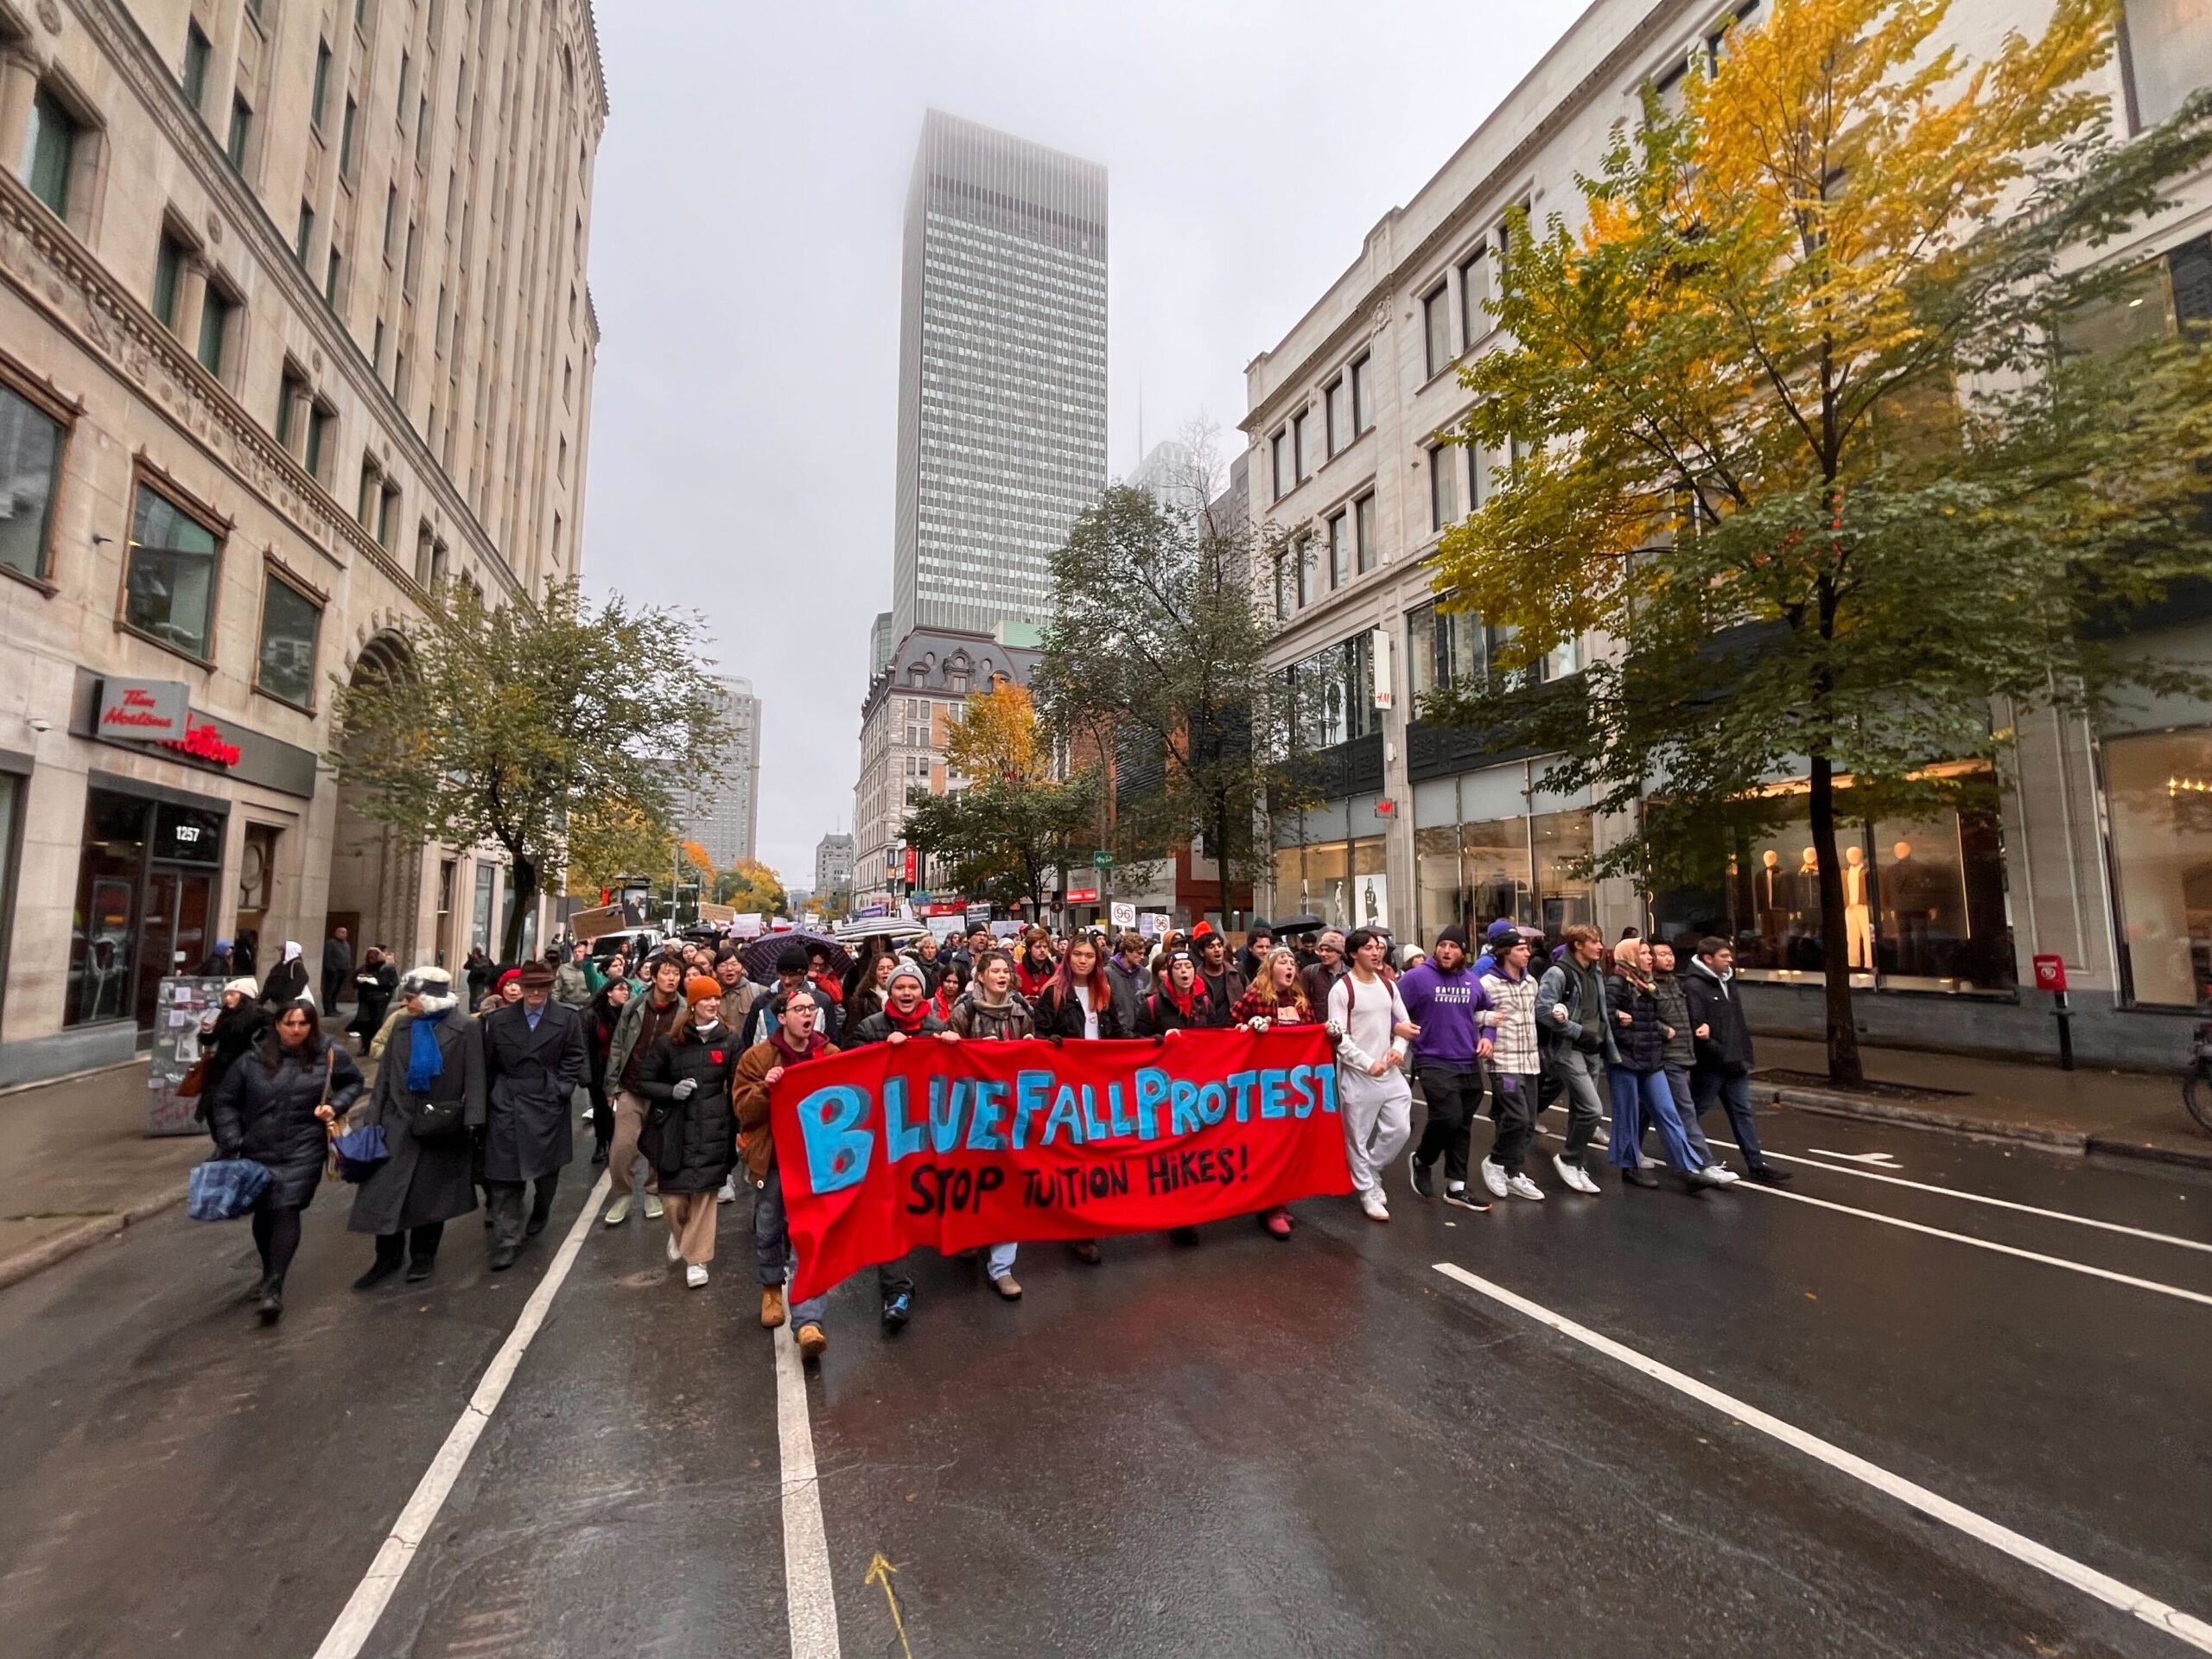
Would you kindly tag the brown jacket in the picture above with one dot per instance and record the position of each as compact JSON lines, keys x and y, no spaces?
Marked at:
{"x":750,"y":1090}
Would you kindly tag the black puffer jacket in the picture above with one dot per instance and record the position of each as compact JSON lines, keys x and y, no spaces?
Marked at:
{"x":1726,"y":1046}
{"x":1159,"y":1015}
{"x":1641,"y":1041}
{"x":1675,"y":1012}
{"x":269,"y":1117}
{"x":1117,"y":1018}
{"x":693,"y":1143}
{"x":232,"y":1037}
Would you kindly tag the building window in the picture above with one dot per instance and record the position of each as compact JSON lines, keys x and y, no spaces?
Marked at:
{"x":390,"y":218}
{"x":333,"y":277}
{"x":1443,"y":486}
{"x":406,"y":68}
{"x":1363,"y":397}
{"x":216,"y":309}
{"x":1301,"y":452}
{"x":241,"y":134}
{"x":304,"y":237}
{"x":168,"y":278}
{"x":1363,"y":514}
{"x":1445,"y":650}
{"x":347,"y":150}
{"x":320,"y":419}
{"x":318,"y":108}
{"x":1474,"y":288}
{"x":1333,"y":692}
{"x":1285,"y":601}
{"x":1302,"y":553}
{"x":364,"y":505}
{"x":194,"y":78}
{"x":1436,"y":327}
{"x":31,"y":459}
{"x":1339,"y":551}
{"x":2158,"y":789}
{"x":388,"y":516}
{"x":1285,"y":480}
{"x":50,"y":151}
{"x":290,"y":623}
{"x":1336,"y":404}
{"x":291,"y":393}
{"x":2168,"y":55}
{"x":169,"y":584}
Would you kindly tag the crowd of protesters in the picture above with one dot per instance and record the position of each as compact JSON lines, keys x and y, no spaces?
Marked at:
{"x":677,"y":1053}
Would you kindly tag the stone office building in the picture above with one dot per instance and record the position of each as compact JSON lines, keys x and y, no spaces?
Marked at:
{"x":2105,"y":858}
{"x":292,"y":325}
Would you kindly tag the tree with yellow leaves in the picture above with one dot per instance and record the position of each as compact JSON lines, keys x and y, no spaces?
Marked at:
{"x":995,"y":737}
{"x":1795,"y":421}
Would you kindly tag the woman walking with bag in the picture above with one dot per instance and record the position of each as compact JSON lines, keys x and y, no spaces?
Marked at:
{"x":429,"y":1097}
{"x":275,"y":1108}
{"x":690,"y":1134}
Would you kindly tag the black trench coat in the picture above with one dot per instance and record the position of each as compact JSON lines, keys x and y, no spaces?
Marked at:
{"x":529,"y":1080}
{"x":420,"y":1183}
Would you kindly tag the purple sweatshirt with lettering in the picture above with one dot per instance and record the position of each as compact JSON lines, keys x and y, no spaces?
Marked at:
{"x":1448,"y":1009}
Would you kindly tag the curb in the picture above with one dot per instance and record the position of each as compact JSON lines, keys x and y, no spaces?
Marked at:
{"x":1926,"y":1117}
{"x":62,"y":1245}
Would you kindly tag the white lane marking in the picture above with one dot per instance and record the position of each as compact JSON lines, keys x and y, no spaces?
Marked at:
{"x":1987,"y":1245}
{"x":2159,"y":1615}
{"x":807,"y":1592}
{"x":1971,"y":1198}
{"x":358,"y":1620}
{"x":1879,"y":1159}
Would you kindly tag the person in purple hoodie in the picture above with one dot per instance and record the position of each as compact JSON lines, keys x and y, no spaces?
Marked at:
{"x":1444,"y":998}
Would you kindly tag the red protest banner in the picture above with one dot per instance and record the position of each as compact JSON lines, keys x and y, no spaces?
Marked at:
{"x":956,"y":1145}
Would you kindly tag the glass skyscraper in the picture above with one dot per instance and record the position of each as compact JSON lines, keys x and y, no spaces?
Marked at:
{"x":1001,"y":375}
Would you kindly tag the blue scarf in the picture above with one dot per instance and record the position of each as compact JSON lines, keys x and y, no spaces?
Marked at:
{"x":426,"y":1061}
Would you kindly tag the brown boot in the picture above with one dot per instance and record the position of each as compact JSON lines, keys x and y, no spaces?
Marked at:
{"x":812,"y":1342}
{"x":771,"y":1307}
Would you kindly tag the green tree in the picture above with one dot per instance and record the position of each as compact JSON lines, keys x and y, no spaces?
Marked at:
{"x":610,"y":838}
{"x":749,"y":885}
{"x":1000,"y":839}
{"x":1793,"y":424}
{"x":1157,"y":654}
{"x":508,"y":722}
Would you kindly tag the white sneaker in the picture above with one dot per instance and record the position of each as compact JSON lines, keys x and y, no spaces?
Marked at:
{"x":695,"y":1276}
{"x":1522,"y":1187}
{"x":1644,"y":1160}
{"x":618,"y":1213}
{"x":1494,"y":1179}
{"x":654,"y":1207}
{"x":1722,"y":1175}
{"x":728,"y":1194}
{"x":674,"y":1255}
{"x":1573,"y":1176}
{"x":1377,"y":1207}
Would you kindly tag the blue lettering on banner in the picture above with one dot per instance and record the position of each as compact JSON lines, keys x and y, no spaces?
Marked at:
{"x":901,"y":1139}
{"x":1213,"y":1103}
{"x":984,"y":1116}
{"x":1121,"y":1121}
{"x":1271,"y":1093}
{"x":947,"y":1105}
{"x":1152,"y":1089}
{"x":1031,"y":1091}
{"x":1327,"y":1075}
{"x":1183,"y":1108}
{"x":1301,"y":1092}
{"x":836,"y":1151}
{"x":1094,"y":1128}
{"x":1065,"y":1111}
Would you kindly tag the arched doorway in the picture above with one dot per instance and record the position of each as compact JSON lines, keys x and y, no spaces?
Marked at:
{"x":376,"y":873}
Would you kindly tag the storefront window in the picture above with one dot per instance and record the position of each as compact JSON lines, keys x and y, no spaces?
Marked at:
{"x":1494,"y":859}
{"x":1439,"y":900}
{"x":1562,"y":841}
{"x":1342,"y":882}
{"x":2158,"y":787}
{"x":480,"y":926}
{"x":104,"y":941}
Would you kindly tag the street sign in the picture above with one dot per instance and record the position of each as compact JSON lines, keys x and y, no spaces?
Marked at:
{"x":1102,"y":860}
{"x":2050,"y":973}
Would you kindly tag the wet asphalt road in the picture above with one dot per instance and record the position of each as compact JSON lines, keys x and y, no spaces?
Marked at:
{"x":1321,"y":1447}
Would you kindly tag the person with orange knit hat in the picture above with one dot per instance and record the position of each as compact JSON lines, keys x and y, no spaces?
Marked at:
{"x":690,"y":1130}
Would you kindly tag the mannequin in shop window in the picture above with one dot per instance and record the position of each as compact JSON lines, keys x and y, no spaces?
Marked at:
{"x":1804,"y":942}
{"x":1857,"y":914}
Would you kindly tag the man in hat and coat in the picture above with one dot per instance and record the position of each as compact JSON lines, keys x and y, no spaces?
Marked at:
{"x":534,"y":1057}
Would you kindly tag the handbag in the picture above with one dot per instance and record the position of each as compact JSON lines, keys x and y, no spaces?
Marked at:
{"x":438,"y":1123}
{"x":223,"y":1189}
{"x":357,"y":1154}
{"x":192,"y":1081}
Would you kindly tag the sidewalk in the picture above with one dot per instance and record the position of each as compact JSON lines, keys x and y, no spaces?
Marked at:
{"x":2125,"y":1114}
{"x":80,"y":1167}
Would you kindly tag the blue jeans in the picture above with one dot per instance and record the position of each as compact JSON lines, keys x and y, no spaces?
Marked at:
{"x":1734,"y":1093}
{"x":1647,"y":1090}
{"x":774,"y":1256}
{"x":999,"y":1262}
{"x":1678,"y":1084}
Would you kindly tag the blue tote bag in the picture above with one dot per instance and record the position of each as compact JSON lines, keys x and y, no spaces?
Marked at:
{"x":223,"y":1189}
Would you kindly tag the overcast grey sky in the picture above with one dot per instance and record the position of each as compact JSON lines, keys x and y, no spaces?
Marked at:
{"x":746,"y":216}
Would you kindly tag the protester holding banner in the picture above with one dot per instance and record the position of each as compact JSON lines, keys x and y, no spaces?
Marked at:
{"x":1277,"y":998}
{"x":1082,"y":999}
{"x":993,"y":1011}
{"x":904,"y":1013}
{"x":951,"y":984}
{"x":690,"y":1132}
{"x":791,"y":1040}
{"x":1371,"y":1087}
{"x":1180,"y":1003}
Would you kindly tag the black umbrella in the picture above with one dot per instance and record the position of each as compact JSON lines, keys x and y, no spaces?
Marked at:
{"x":1299,"y":924}
{"x":759,"y":956}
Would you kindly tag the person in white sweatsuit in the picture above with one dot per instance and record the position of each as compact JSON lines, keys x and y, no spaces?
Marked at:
{"x":1372,"y":1088}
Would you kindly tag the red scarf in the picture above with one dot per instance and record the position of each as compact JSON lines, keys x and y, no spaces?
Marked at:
{"x":1034,"y":980}
{"x":909,"y":1023}
{"x":827,"y":983}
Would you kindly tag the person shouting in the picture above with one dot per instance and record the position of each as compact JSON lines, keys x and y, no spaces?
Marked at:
{"x":1221,"y":977}
{"x":1371,"y":1087}
{"x":1180,"y":1003}
{"x":533,"y":1059}
{"x":276,"y":1107}
{"x":904,"y":1015}
{"x":430,"y":1098}
{"x":645,"y":1020}
{"x":690,"y":1134}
